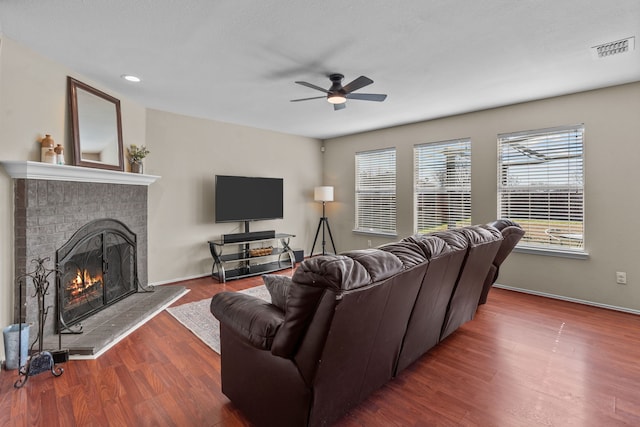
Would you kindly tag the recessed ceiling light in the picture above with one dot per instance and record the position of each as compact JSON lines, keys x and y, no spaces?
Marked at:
{"x":130,"y":78}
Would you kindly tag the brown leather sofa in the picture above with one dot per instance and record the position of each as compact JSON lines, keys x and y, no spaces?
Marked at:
{"x":351,"y":323}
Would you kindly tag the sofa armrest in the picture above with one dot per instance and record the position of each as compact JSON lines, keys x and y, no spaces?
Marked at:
{"x":253,"y":319}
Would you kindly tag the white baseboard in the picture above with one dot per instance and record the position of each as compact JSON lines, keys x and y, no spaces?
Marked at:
{"x":563,"y":298}
{"x":179,"y":279}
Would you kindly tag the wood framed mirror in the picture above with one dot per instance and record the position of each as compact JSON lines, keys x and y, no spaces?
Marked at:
{"x":97,"y":127}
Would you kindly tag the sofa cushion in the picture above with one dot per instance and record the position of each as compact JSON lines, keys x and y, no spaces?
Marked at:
{"x":278,"y":287}
{"x":408,"y":252}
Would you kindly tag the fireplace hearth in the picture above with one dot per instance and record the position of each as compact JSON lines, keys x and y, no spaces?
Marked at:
{"x":96,"y":268}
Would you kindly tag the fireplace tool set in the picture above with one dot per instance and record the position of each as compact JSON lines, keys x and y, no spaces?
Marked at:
{"x":40,"y":361}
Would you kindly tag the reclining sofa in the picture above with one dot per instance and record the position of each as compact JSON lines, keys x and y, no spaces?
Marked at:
{"x":350,"y":323}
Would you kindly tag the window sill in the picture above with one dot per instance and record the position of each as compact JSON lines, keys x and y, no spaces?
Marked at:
{"x":376,"y":233}
{"x":552,"y":252}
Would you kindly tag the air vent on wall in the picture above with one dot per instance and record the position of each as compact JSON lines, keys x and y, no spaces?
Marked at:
{"x":614,"y":48}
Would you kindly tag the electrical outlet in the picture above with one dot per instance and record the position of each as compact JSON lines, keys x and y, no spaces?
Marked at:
{"x":621,"y":277}
{"x":369,"y":243}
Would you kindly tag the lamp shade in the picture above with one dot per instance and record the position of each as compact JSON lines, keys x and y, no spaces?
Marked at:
{"x":323,"y":194}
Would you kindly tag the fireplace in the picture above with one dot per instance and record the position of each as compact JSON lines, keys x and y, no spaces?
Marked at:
{"x":96,"y":268}
{"x":51,"y":203}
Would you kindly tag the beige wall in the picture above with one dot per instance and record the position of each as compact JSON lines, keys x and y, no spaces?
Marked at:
{"x":33,"y":101}
{"x":612,"y":152}
{"x":187,"y":153}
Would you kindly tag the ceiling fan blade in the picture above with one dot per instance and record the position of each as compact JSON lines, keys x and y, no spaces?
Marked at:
{"x":337,"y":107}
{"x":358,"y":83}
{"x":367,"y":96}
{"x":313,"y":86}
{"x":307,"y":99}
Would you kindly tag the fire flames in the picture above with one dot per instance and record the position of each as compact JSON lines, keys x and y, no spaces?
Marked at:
{"x":83,"y":284}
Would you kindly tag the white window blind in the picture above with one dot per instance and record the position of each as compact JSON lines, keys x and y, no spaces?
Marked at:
{"x":442,"y":185}
{"x":541,"y":186}
{"x":376,"y":191}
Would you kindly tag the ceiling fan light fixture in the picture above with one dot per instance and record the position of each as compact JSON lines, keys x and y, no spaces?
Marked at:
{"x":336,"y":98}
{"x":338,"y":94}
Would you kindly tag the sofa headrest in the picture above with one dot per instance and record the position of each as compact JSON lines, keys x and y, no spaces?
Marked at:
{"x":434,"y":246}
{"x":480,"y":234}
{"x":379,"y":264}
{"x":348,"y":271}
{"x":408,"y":252}
{"x":330,"y":271}
{"x":453,"y":238}
{"x":501,"y":224}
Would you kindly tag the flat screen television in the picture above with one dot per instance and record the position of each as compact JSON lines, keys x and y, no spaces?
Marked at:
{"x":243,"y":198}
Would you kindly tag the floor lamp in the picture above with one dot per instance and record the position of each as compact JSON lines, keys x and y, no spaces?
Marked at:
{"x":324,"y":195}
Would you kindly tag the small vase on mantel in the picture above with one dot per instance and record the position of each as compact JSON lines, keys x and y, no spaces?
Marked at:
{"x":136,"y":167}
{"x":46,"y":144}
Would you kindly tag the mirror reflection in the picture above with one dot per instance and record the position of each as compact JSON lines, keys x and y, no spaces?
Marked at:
{"x":97,"y":132}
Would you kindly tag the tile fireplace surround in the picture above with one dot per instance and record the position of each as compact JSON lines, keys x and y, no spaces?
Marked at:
{"x":51,"y":202}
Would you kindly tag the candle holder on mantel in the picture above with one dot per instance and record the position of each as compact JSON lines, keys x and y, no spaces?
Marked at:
{"x":40,"y":361}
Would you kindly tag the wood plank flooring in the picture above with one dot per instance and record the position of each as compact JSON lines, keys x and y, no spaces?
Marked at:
{"x":523,"y":361}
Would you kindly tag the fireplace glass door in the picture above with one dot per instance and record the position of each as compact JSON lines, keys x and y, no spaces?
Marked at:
{"x":97,"y":267}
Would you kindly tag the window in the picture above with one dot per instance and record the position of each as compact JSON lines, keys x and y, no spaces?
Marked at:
{"x":376,"y":191}
{"x":442,"y":185}
{"x":541,"y":186}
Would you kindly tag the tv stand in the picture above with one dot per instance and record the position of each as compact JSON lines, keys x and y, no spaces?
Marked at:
{"x":249,"y":261}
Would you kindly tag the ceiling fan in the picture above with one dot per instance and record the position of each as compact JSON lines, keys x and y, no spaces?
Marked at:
{"x":338,"y":94}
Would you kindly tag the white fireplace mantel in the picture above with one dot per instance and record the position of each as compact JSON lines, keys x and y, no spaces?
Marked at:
{"x":48,"y":171}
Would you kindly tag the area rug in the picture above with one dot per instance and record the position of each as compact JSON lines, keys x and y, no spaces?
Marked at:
{"x":196,"y":316}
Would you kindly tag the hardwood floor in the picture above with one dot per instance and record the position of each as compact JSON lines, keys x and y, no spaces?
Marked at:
{"x":523,"y":361}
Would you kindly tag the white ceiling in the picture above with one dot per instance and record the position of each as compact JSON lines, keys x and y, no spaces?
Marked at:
{"x":236,"y":61}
